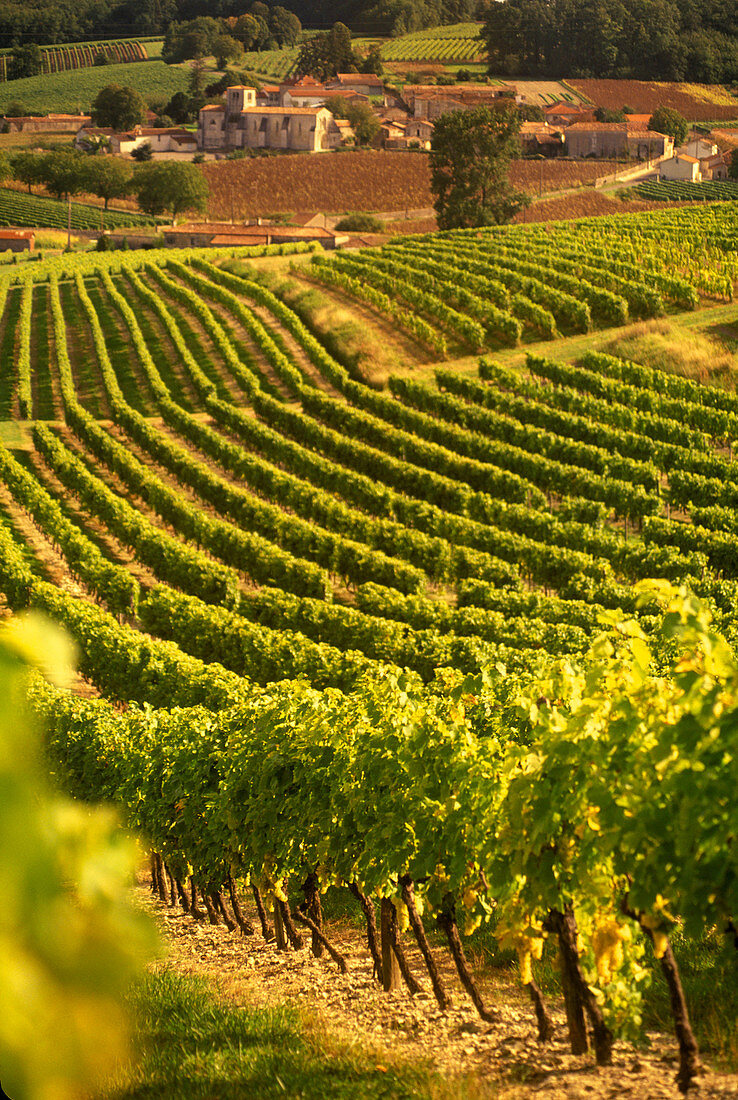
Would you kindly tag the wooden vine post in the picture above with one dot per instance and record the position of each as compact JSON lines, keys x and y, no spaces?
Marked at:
{"x":388,"y":933}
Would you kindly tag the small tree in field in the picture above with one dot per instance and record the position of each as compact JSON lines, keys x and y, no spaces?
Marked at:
{"x":107,"y":177}
{"x":470,"y":161}
{"x":665,"y":120}
{"x":167,"y":186}
{"x":117,"y":107}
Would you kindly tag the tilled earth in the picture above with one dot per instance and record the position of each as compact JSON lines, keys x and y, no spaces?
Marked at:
{"x":504,"y":1056}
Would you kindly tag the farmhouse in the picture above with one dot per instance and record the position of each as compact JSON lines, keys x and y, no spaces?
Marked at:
{"x":536,"y":138}
{"x":302,"y":92}
{"x":680,"y":167}
{"x":683,"y":166}
{"x":364,"y":83}
{"x":44,"y":124}
{"x":17,"y":240}
{"x":243,"y":125}
{"x":564,"y":114}
{"x":429,"y":101}
{"x":616,"y":139}
{"x":170,"y":139}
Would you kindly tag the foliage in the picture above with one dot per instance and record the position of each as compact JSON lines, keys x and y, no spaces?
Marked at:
{"x":170,"y":186}
{"x":665,"y":120}
{"x":107,"y":177}
{"x":70,"y":943}
{"x":470,"y":159}
{"x":363,"y":122}
{"x":663,"y":40}
{"x":324,"y":55}
{"x":360,"y":223}
{"x":120,"y":108}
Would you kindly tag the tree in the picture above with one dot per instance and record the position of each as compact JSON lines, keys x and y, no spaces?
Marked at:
{"x":6,"y":169}
{"x":733,"y":165}
{"x":372,"y":63}
{"x":284,"y":26}
{"x":227,"y":48}
{"x":27,"y":60}
{"x":470,"y":159}
{"x":363,"y":122}
{"x":170,"y":186}
{"x":107,"y":177}
{"x":63,"y":172}
{"x":246,"y":29}
{"x":665,"y":120}
{"x":610,"y":114}
{"x":15,"y":109}
{"x":179,"y":108}
{"x":28,"y":167}
{"x":118,"y":107}
{"x":197,"y":38}
{"x":324,"y":55}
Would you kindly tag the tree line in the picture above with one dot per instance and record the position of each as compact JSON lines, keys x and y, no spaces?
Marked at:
{"x":637,"y":39}
{"x":163,"y":187}
{"x":50,"y":21}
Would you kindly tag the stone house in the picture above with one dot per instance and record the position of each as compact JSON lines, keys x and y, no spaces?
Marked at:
{"x":364,"y":83}
{"x":17,"y":240}
{"x":616,"y":140}
{"x":681,"y":167}
{"x":44,"y":124}
{"x":170,"y":139}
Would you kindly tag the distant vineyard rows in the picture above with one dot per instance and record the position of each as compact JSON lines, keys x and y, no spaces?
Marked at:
{"x":60,"y":59}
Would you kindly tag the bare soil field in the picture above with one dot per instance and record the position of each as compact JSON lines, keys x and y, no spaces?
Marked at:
{"x":336,"y":183}
{"x":585,"y":204}
{"x":695,"y":101}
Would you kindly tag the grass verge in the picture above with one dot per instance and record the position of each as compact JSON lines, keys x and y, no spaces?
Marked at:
{"x":192,"y":1044}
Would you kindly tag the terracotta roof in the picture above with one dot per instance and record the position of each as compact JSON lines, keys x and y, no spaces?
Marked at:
{"x":716,"y":158}
{"x":562,"y":108}
{"x":235,"y":239}
{"x":597,"y":127}
{"x":686,"y":156}
{"x":638,"y":120}
{"x":214,"y":107}
{"x":358,"y":78}
{"x":287,"y":111}
{"x":16,"y":234}
{"x":646,"y":134}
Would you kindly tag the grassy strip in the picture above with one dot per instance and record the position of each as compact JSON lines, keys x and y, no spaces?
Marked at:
{"x":193,"y":1044}
{"x":131,"y":378}
{"x":43,"y":397}
{"x":88,"y":382}
{"x":7,"y":354}
{"x":159,"y":345}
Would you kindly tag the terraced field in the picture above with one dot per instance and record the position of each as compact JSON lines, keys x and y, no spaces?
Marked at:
{"x":328,"y":577}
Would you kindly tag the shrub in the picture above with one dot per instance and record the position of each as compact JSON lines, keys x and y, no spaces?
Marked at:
{"x":360,"y":223}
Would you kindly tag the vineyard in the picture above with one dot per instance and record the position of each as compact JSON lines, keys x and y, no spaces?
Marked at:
{"x":74,"y":91}
{"x":697,"y":102}
{"x":364,"y":625}
{"x":459,"y":42}
{"x":361,"y":180}
{"x":61,"y":59}
{"x":273,"y":64}
{"x":687,"y":191}
{"x":470,"y":290}
{"x":47,"y":213}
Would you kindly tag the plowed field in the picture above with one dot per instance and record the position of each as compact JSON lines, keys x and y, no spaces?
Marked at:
{"x":357,"y":181}
{"x":695,"y":101}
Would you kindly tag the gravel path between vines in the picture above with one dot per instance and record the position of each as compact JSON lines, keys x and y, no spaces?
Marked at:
{"x":503,"y":1058}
